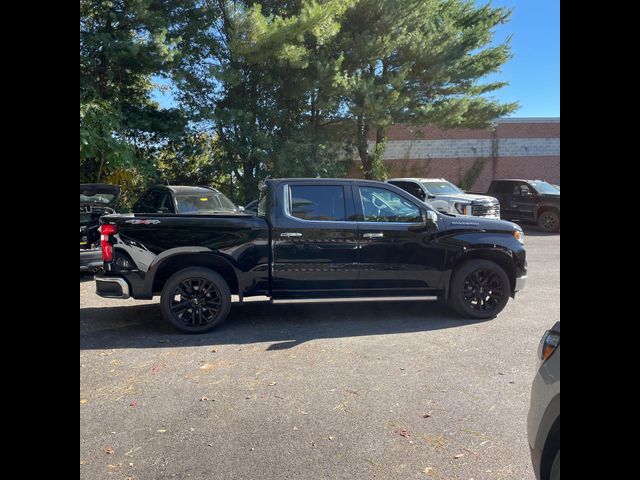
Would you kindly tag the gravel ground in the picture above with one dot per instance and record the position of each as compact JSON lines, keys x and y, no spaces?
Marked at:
{"x":397,"y":390}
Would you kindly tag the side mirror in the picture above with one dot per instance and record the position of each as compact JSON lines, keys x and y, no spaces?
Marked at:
{"x":431,"y":218}
{"x":429,"y":222}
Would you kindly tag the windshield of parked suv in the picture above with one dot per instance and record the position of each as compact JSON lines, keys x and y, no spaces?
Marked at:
{"x":206,"y":202}
{"x":545,"y":188}
{"x":441,"y":188}
{"x":92,"y":196}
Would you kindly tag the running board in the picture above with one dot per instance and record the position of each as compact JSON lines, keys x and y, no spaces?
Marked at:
{"x":352,"y":299}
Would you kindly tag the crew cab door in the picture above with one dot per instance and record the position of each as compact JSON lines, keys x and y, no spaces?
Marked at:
{"x":397,"y":254}
{"x":314,"y":239}
{"x":523,"y":201}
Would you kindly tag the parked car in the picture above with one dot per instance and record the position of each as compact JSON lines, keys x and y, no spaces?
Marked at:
{"x":528,"y":200}
{"x":178,"y":199}
{"x":96,"y":199}
{"x":543,"y":420}
{"x":445,"y":197}
{"x":315,"y":240}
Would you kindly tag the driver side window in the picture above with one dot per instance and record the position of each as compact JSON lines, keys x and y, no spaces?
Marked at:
{"x":381,"y":205}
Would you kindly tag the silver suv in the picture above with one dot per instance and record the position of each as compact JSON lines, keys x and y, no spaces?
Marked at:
{"x":445,"y":197}
{"x":543,"y":421}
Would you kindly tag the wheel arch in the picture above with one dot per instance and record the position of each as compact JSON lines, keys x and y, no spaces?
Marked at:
{"x":499,"y":256}
{"x":546,"y":208}
{"x":175,"y":263}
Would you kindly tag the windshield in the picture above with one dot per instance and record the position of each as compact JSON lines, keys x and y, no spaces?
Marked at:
{"x":545,"y":188}
{"x":206,"y":202}
{"x":440,"y":188}
{"x":89,"y":196}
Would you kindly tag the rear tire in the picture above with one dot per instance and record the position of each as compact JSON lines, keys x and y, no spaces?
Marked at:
{"x":195,"y":300}
{"x":479,"y":289}
{"x":549,"y":221}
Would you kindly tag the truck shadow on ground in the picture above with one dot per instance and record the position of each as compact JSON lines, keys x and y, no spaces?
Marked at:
{"x":141,"y":326}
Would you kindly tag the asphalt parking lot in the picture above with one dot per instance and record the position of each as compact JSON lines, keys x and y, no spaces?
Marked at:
{"x":397,"y":390}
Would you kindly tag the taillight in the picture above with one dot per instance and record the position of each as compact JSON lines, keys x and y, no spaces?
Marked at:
{"x":107,"y":229}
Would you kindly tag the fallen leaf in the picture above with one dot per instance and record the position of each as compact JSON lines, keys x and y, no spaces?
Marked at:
{"x":207,"y":366}
{"x":403,"y":432}
{"x":272,"y":384}
{"x":204,"y":399}
{"x":213,"y":350}
{"x":134,"y":404}
{"x":459,"y":455}
{"x":330,"y":437}
{"x":161,"y":430}
{"x":427,"y":470}
{"x":426,"y":415}
{"x":83,"y":401}
{"x":108,"y":450}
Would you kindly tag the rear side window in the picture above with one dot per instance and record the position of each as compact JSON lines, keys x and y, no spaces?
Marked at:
{"x":503,"y":187}
{"x":317,"y":202}
{"x":150,"y":202}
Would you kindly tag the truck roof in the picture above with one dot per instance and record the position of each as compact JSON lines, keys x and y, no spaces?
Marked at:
{"x":417,"y":179}
{"x":341,"y":180}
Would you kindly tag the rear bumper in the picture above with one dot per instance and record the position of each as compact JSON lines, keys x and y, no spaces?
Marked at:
{"x":112,"y":287}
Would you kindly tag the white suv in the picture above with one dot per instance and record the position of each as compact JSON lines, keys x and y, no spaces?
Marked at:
{"x":445,"y":197}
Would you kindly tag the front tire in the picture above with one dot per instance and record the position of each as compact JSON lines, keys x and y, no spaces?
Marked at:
{"x":479,"y":289}
{"x":549,"y":221}
{"x":555,"y":468}
{"x":195,"y":300}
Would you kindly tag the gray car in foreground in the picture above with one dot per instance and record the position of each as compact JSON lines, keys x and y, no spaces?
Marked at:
{"x":543,"y":421}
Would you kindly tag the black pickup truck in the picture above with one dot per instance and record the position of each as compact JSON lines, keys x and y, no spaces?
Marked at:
{"x":312,"y":240}
{"x":527,"y":200}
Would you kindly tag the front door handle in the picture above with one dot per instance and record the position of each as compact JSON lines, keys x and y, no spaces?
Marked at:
{"x":290,"y":234}
{"x":373,"y":235}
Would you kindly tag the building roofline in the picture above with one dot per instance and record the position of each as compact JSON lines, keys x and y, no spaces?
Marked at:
{"x":528,"y":120}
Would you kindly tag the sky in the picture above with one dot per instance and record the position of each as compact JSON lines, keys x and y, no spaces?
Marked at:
{"x":534,"y":71}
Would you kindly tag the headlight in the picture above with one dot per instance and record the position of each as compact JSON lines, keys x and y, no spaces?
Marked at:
{"x":519,"y":236}
{"x":549,"y":342}
{"x":461,"y":208}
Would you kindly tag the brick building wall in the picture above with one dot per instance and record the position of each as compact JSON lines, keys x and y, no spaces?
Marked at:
{"x":514,"y":148}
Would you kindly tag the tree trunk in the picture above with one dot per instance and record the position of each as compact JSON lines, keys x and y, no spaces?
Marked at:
{"x":362,"y":141}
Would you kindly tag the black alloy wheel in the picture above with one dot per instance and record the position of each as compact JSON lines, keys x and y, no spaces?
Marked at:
{"x":195,"y":300}
{"x":479,"y":289}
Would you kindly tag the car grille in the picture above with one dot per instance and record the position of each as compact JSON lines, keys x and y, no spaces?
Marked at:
{"x":487,"y":210}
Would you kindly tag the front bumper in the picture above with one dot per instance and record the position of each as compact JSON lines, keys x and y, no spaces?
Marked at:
{"x":520,"y":283}
{"x":111,"y":287}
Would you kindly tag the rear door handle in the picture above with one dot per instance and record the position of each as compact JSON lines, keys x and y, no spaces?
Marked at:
{"x":290,"y":234}
{"x":373,"y":235}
